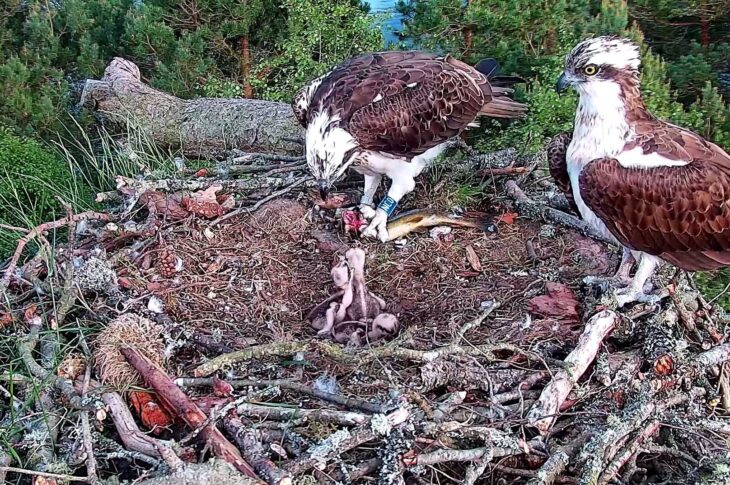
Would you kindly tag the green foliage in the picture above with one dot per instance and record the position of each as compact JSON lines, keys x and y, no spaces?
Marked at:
{"x":699,"y":65}
{"x":320,"y":34}
{"x":716,"y":286}
{"x":32,"y":179}
{"x":531,"y":39}
{"x":42,"y":44}
{"x":523,"y":35}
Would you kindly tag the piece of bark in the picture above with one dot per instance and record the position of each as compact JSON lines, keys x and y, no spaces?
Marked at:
{"x":203,"y":127}
{"x":559,"y":303}
{"x":176,"y":400}
{"x":544,"y":412}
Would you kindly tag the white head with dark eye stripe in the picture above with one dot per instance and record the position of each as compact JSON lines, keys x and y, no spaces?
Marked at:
{"x":329,"y":150}
{"x":599,"y":59}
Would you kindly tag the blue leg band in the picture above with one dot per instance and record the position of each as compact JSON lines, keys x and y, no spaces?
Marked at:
{"x":388,"y":205}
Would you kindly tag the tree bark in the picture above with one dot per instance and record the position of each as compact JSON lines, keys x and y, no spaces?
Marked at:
{"x":246,"y":67}
{"x":204,"y":127}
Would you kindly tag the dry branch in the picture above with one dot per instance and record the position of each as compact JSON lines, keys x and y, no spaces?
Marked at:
{"x":281,"y":413}
{"x":530,"y":208}
{"x":391,"y":350}
{"x":132,"y":437}
{"x":38,"y":231}
{"x":254,"y":452}
{"x":176,"y":400}
{"x":544,"y":412}
{"x":344,"y":440}
{"x":483,"y":454}
{"x":624,"y":456}
{"x":203,"y":127}
{"x":349,"y":402}
{"x":553,"y":468}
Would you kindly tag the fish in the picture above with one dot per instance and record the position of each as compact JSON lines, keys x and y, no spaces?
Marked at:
{"x":420,"y":219}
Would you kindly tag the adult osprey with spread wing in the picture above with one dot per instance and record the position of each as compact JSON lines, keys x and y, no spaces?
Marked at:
{"x":659,"y":190}
{"x":390,"y":113}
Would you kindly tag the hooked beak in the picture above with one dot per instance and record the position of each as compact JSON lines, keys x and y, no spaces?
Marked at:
{"x":324,"y":188}
{"x":562,"y":84}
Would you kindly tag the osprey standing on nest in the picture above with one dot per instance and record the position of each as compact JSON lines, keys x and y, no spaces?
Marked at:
{"x":390,"y":113}
{"x":660,"y":191}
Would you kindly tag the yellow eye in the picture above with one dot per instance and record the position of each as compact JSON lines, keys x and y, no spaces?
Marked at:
{"x":590,"y":69}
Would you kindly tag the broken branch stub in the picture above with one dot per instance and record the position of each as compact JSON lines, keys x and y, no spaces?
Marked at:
{"x":544,"y":412}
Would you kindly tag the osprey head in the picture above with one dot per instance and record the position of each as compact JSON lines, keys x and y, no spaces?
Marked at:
{"x":330,"y":149}
{"x":600,"y":59}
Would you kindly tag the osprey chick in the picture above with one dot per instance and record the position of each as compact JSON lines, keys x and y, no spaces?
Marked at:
{"x":660,"y":191}
{"x":390,"y":113}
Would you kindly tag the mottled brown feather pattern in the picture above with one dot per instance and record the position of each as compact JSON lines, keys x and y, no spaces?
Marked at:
{"x":407,"y":102}
{"x":679,"y":213}
{"x":557,"y":164}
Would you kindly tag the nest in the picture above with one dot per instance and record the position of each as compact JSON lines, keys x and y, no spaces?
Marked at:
{"x":132,"y":330}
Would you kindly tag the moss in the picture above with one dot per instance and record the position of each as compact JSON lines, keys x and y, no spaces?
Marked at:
{"x":32,"y":178}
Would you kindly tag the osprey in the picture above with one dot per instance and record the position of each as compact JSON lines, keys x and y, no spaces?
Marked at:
{"x":391,"y":113}
{"x":660,"y":191}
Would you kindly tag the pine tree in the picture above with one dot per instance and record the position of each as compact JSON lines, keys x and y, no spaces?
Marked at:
{"x":319,"y":35}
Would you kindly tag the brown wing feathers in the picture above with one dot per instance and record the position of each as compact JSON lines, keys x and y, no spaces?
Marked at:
{"x":681,"y":214}
{"x":407,"y":102}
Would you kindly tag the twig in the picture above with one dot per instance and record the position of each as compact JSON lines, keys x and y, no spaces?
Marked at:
{"x":365,"y":356}
{"x":184,"y":185}
{"x":544,"y":412}
{"x":343,"y":440}
{"x":558,"y":461}
{"x":673,"y":452}
{"x":214,"y":415}
{"x":604,"y":445}
{"x":714,"y":356}
{"x":533,"y":209}
{"x":249,"y":157}
{"x":715,"y":426}
{"x":274,"y":195}
{"x":485,"y":454}
{"x":275,"y":349}
{"x":350,"y":402}
{"x":474,"y":472}
{"x":26,"y":346}
{"x":725,"y":386}
{"x":176,"y":400}
{"x":476,"y":322}
{"x":132,"y":437}
{"x":622,"y":458}
{"x":86,"y":433}
{"x":360,"y":470}
{"x":497,"y":171}
{"x":532,"y":474}
{"x":68,"y":296}
{"x":282,"y":413}
{"x":58,"y":476}
{"x":237,"y":169}
{"x":254,"y":452}
{"x":520,"y":391}
{"x":39,"y":230}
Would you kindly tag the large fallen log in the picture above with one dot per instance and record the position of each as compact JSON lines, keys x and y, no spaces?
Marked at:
{"x":204,"y":127}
